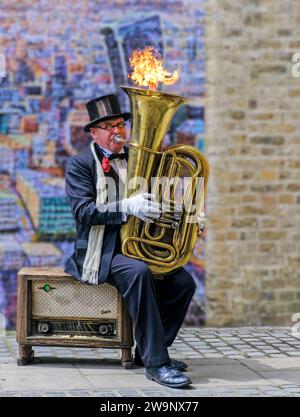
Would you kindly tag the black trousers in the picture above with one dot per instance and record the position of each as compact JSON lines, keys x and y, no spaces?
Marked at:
{"x":157,"y":307}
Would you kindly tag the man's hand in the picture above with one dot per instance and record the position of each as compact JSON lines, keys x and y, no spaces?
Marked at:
{"x":142,"y":206}
{"x":201,"y":219}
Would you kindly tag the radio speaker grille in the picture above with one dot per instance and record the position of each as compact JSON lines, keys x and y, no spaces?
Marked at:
{"x":62,"y":298}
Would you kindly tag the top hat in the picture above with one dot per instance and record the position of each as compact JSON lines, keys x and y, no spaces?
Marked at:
{"x":104,"y":108}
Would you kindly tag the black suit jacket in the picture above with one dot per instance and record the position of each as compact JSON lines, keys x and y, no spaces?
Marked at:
{"x":81,"y":191}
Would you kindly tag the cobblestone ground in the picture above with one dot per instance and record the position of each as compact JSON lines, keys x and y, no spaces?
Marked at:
{"x":222,"y":362}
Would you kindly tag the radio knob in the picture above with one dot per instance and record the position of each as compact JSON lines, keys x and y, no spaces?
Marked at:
{"x":103,"y":329}
{"x":43,"y":327}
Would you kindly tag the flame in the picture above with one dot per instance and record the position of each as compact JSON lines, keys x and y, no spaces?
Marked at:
{"x":148,"y":69}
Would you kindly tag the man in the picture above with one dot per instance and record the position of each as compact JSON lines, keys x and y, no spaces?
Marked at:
{"x":157,"y":307}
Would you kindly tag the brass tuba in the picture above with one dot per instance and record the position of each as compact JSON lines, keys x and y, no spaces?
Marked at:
{"x":166,"y":244}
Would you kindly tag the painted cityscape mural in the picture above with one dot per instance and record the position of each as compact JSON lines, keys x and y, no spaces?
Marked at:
{"x":57,"y":56}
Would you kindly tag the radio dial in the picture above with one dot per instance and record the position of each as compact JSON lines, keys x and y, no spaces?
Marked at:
{"x":43,"y":327}
{"x":103,"y":329}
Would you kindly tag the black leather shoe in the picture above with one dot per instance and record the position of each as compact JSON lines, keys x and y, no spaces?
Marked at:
{"x":179,"y":365}
{"x":167,"y":375}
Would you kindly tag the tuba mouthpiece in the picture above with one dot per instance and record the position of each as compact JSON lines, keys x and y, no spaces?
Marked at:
{"x":119,"y":139}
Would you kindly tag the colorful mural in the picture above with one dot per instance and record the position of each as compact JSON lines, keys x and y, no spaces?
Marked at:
{"x":58,"y":56}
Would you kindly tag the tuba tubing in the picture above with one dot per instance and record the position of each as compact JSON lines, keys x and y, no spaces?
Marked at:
{"x":168,"y":243}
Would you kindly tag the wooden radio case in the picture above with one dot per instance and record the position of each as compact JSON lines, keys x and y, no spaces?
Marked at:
{"x":54,"y":309}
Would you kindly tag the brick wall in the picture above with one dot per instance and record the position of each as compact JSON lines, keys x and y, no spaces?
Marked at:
{"x":253,"y":146}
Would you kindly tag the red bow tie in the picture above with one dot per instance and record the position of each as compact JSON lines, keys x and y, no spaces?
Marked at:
{"x":106,"y":161}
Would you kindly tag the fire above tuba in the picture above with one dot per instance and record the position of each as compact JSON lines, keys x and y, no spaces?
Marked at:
{"x":176,"y":176}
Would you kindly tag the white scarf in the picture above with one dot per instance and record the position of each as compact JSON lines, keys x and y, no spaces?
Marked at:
{"x":93,"y":254}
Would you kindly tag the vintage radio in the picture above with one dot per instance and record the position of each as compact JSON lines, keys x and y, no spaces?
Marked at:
{"x":56,"y":310}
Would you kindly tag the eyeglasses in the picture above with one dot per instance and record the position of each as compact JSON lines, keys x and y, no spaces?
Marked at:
{"x":120,"y":125}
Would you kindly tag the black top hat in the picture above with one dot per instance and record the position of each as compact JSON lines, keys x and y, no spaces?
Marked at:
{"x":104,"y":108}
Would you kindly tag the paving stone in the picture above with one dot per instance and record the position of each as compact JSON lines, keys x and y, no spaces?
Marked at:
{"x":226,"y":349}
{"x":255,"y":354}
{"x":56,"y":394}
{"x":154,"y":393}
{"x":249,"y":391}
{"x":281,"y":376}
{"x":235,"y":356}
{"x":128,"y":393}
{"x":79,"y":393}
{"x":278,"y":355}
{"x":293,"y":389}
{"x":215,"y":355}
{"x":203,"y":394}
{"x":49,"y":377}
{"x":105,"y":394}
{"x":261,"y":346}
{"x":277,"y":393}
{"x":32,"y":394}
{"x":190,"y":339}
{"x":248,"y":339}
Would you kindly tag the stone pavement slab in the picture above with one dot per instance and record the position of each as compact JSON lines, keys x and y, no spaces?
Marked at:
{"x":242,"y":362}
{"x":48,"y":378}
{"x":224,"y":375}
{"x":121,"y":381}
{"x":272,"y":364}
{"x":281,"y":377}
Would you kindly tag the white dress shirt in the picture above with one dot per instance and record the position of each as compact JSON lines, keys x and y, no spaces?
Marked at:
{"x":120,"y":166}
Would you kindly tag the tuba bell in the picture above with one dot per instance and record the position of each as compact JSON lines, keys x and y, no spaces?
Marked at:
{"x":166,"y":244}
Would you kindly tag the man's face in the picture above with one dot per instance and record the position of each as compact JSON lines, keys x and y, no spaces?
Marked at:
{"x":103,"y":134}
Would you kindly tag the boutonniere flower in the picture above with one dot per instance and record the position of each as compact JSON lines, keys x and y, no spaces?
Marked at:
{"x":105,"y":165}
